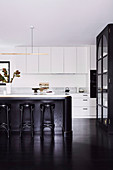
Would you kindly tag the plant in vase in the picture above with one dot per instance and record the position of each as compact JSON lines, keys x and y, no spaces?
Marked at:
{"x":5,"y":79}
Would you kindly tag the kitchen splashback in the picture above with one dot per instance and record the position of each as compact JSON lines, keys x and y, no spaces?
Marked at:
{"x":28,"y":90}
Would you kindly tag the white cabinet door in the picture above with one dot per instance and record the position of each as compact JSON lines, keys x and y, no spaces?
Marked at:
{"x":44,"y":60}
{"x":93,"y":112}
{"x":80,"y":112}
{"x":82,"y":60}
{"x":80,"y":102}
{"x":57,"y":60}
{"x":69,"y":59}
{"x":20,"y":60}
{"x":32,"y":61}
{"x":93,"y":57}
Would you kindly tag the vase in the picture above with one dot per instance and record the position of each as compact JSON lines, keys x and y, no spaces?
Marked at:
{"x":8,"y":88}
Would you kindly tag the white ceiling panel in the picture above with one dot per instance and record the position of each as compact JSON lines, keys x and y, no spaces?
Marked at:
{"x":56,"y":22}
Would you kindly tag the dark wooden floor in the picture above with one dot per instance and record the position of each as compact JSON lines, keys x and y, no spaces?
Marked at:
{"x":89,"y":149}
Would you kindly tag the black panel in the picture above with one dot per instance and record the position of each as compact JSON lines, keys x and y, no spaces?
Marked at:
{"x":105,"y":78}
{"x":93,"y":83}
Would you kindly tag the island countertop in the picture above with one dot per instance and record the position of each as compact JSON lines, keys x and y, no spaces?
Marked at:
{"x":32,"y":96}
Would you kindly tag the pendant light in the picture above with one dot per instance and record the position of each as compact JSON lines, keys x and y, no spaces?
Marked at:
{"x":31,"y":27}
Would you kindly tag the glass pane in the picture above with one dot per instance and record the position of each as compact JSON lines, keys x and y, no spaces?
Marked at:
{"x":105,"y":99}
{"x":105,"y":46}
{"x":99,"y":66}
{"x":99,"y":50}
{"x":99,"y":83}
{"x":99,"y":112}
{"x":105,"y":65}
{"x":105,"y":82}
{"x":105,"y":115}
{"x":100,"y":98}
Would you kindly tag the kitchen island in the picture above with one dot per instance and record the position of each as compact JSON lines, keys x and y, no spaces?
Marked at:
{"x":62,"y":113}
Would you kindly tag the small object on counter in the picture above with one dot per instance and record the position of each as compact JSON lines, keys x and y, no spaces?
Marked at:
{"x":35,"y":90}
{"x":48,"y":91}
{"x":81,"y":90}
{"x":46,"y":85}
{"x":67,"y":90}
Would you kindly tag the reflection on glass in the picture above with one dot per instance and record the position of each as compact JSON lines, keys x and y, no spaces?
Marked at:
{"x":99,"y":66}
{"x":99,"y":112}
{"x":105,"y":115}
{"x":105,"y":65}
{"x":99,"y":98}
{"x":105,"y":83}
{"x":99,"y":50}
{"x":105,"y":46}
{"x":105,"y":99}
{"x":99,"y":83}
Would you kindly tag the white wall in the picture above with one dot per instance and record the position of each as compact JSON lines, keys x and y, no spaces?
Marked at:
{"x":54,"y":80}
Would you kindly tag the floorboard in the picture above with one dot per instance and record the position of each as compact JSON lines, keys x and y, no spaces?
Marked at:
{"x":89,"y":149}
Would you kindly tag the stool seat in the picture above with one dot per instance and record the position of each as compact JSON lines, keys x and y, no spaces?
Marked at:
{"x":47,"y":105}
{"x":27,"y":105}
{"x":47,"y":118}
{"x":23,"y":123}
{"x":5,"y":125}
{"x":5,"y":106}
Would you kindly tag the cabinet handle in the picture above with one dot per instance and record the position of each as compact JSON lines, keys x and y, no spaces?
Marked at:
{"x":84,"y":99}
{"x":84,"y":94}
{"x":85,"y":109}
{"x":109,"y":81}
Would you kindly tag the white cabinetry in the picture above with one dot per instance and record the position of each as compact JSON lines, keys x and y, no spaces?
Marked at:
{"x":83,"y":106}
{"x":93,"y":57}
{"x":32,"y":61}
{"x":69,"y":59}
{"x":57,"y":60}
{"x":82,"y":59}
{"x":20,"y":60}
{"x":44,"y":60}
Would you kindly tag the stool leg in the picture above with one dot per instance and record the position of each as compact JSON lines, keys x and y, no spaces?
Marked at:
{"x":42,"y":121}
{"x":21,"y":114}
{"x":7,"y":121}
{"x":52,"y":120}
{"x":32,"y":123}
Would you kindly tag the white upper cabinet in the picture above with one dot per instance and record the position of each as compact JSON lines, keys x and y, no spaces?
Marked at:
{"x":82,"y":59}
{"x":20,"y":60}
{"x":93,"y":57}
{"x":57,"y":60}
{"x":44,"y":60}
{"x":32,"y":60}
{"x":69,"y":59}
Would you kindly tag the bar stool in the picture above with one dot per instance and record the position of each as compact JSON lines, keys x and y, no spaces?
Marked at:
{"x":5,"y":125}
{"x":26,"y":123}
{"x":47,"y":117}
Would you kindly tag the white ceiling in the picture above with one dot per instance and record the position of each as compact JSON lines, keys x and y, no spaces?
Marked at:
{"x":56,"y":22}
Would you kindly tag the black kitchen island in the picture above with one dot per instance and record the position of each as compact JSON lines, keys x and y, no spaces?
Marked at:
{"x":62,"y":113}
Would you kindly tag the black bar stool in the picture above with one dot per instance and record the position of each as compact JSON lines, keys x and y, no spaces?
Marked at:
{"x":5,"y":125}
{"x":26,"y":123}
{"x":47,"y":117}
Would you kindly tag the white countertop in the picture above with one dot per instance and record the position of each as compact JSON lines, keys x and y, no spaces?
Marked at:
{"x":33,"y":95}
